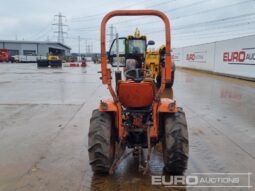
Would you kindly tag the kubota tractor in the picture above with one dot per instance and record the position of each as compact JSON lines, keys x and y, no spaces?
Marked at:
{"x":136,"y":117}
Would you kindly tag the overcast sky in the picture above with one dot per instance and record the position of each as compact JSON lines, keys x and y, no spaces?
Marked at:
{"x":193,"y":21}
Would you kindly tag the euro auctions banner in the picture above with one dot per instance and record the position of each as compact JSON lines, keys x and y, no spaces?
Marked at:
{"x":245,"y":56}
{"x":236,"y":57}
{"x":199,"y":56}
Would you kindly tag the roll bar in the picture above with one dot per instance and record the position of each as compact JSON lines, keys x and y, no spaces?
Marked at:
{"x":166,"y":74}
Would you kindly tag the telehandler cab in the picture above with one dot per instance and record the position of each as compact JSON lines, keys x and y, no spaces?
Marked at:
{"x":139,"y":56}
{"x":136,"y":117}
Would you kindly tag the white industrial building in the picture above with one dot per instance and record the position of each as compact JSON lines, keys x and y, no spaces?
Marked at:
{"x":34,"y":48}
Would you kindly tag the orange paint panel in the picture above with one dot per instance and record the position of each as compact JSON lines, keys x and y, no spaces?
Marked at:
{"x":133,"y":94}
{"x":110,"y":106}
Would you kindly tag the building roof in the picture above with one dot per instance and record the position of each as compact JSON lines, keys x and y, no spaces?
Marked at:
{"x":35,"y":42}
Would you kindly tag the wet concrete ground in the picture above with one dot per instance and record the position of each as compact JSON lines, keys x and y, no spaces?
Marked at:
{"x":44,"y":120}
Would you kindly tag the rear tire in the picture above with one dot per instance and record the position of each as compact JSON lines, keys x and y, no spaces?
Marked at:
{"x":101,"y":142}
{"x":175,"y":143}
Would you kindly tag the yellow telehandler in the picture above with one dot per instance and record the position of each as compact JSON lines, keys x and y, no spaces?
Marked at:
{"x":154,"y":59}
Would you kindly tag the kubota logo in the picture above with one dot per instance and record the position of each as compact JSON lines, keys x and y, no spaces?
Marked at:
{"x":245,"y":56}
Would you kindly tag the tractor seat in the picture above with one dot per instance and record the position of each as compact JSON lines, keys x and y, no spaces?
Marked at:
{"x":134,"y":95}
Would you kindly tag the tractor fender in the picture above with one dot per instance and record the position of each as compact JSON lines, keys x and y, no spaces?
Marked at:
{"x":107,"y":106}
{"x":112,"y":107}
{"x":167,"y":105}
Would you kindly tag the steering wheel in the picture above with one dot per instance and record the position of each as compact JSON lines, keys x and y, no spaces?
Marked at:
{"x":135,"y":74}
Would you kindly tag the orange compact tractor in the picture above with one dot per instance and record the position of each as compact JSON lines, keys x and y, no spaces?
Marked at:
{"x":136,"y":117}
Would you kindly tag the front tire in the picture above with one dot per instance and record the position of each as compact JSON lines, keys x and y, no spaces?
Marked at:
{"x":175,"y":143}
{"x":101,"y":142}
